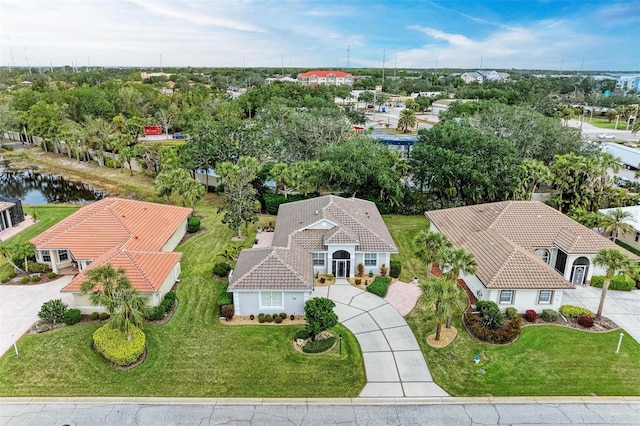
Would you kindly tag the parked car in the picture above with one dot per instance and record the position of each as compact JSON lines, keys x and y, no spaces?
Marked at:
{"x":370,"y":106}
{"x":623,"y":182}
{"x":178,"y":135}
{"x":606,"y":136}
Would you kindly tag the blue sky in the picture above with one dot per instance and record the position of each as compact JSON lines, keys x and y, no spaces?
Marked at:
{"x":544,"y":34}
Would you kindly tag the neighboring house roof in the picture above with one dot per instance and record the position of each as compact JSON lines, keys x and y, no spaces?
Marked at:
{"x":304,"y":227}
{"x":503,"y":237}
{"x":5,"y":205}
{"x":357,"y":220}
{"x":273,"y":268}
{"x":634,"y":211}
{"x":321,"y":74}
{"x":127,"y":231}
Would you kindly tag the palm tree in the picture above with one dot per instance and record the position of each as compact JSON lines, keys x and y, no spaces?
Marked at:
{"x":130,"y":310}
{"x":407,"y":120}
{"x":457,"y":261}
{"x":104,"y":281}
{"x":635,"y":128}
{"x":533,"y":172}
{"x":614,"y":261}
{"x":445,"y":296}
{"x":430,"y":246}
{"x":617,"y":223}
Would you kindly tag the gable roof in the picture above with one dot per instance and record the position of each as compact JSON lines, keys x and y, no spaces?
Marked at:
{"x":125,"y":233}
{"x":357,"y":220}
{"x":323,"y":73}
{"x":503,"y":237}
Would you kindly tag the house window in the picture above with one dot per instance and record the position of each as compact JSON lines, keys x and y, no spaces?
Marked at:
{"x":506,"y":297}
{"x":545,"y":296}
{"x":370,"y":259}
{"x":46,"y":257}
{"x":271,"y":300}
{"x":543,"y":254}
{"x":318,"y":259}
{"x":637,"y":237}
{"x":63,"y":255}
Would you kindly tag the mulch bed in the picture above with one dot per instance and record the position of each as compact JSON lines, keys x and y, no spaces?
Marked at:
{"x":604,"y":325}
{"x":246,"y":320}
{"x":447,"y":335}
{"x":323,"y":335}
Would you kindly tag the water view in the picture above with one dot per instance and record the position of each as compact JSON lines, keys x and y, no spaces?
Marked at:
{"x":37,"y":188}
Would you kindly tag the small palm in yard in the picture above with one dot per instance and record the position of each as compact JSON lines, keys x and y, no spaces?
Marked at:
{"x":614,"y":261}
{"x":617,"y":223}
{"x":429,"y":247}
{"x":455,"y":261}
{"x":444,"y":296}
{"x":130,"y":310}
{"x":407,"y":120}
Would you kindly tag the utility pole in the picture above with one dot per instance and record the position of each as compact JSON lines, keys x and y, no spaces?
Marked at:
{"x":384,"y":51}
{"x":348,"y":57}
{"x":481,"y":59}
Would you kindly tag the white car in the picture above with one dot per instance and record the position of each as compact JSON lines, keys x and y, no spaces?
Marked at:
{"x":606,"y":136}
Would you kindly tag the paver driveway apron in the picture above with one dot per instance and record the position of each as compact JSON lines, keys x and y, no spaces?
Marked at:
{"x":394,"y":364}
{"x":20,"y":304}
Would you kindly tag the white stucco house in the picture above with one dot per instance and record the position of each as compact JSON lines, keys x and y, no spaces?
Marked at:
{"x":134,"y":235}
{"x":325,"y":235}
{"x":630,"y":238}
{"x":527,"y":253}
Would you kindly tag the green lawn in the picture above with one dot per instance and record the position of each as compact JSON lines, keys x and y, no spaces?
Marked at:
{"x":193,"y":355}
{"x":404,"y":229}
{"x":47,"y":215}
{"x":603,"y":123}
{"x":545,"y":360}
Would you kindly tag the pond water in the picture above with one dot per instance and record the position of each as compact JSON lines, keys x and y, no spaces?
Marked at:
{"x":37,"y":188}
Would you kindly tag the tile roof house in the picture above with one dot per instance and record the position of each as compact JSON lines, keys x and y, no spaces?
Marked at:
{"x":11,"y":213}
{"x":331,"y":78}
{"x":328,"y":234}
{"x":631,"y":238}
{"x":134,"y":235}
{"x":527,"y":252}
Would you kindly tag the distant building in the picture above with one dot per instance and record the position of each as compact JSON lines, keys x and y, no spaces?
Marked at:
{"x":329,"y":78}
{"x":11,"y":213}
{"x":145,"y":75}
{"x":482,"y":76}
{"x":628,"y":82}
{"x":285,"y":79}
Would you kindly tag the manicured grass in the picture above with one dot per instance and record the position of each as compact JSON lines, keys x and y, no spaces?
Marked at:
{"x":193,"y":355}
{"x":47,"y":215}
{"x":404,"y":229}
{"x":545,"y":360}
{"x":603,"y":122}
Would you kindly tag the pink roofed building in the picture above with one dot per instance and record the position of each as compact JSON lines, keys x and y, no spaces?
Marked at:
{"x":330,"y":78}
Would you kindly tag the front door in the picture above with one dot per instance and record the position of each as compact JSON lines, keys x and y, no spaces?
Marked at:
{"x":341,"y":268}
{"x":578,"y":275}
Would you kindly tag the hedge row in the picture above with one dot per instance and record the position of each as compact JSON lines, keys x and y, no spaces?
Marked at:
{"x":379,"y":286}
{"x":114,"y":346}
{"x":618,"y":282}
{"x":571,"y":311}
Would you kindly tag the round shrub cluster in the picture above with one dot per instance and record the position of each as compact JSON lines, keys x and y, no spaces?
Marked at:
{"x":114,"y":346}
{"x":72,"y":316}
{"x":586,"y":321}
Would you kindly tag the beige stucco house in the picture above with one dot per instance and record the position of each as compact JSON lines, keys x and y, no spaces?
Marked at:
{"x":134,"y":235}
{"x":324,"y":235}
{"x":630,"y":238}
{"x":528,"y":253}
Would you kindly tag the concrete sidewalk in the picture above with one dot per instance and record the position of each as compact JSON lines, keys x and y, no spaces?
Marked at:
{"x":622,"y":307}
{"x":20,"y":304}
{"x":393,"y":361}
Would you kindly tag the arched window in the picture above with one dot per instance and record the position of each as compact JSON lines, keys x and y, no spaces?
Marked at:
{"x":543,"y":254}
{"x":341,"y":254}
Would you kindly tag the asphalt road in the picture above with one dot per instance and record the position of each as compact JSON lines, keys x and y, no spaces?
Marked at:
{"x":450,"y":412}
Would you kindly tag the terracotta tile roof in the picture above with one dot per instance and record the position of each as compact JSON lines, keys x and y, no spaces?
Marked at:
{"x":146,"y":270}
{"x":4,"y":205}
{"x":503,"y":237}
{"x":128,"y":233}
{"x":273,"y":268}
{"x":319,"y":73}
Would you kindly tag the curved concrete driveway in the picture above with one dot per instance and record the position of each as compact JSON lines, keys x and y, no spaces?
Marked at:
{"x":393,"y":362}
{"x":20,"y":304}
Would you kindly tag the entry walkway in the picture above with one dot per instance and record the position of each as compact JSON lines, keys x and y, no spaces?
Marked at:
{"x":393,"y":361}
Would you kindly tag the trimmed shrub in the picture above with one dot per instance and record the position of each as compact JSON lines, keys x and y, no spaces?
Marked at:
{"x":37,"y":268}
{"x":506,"y":334}
{"x":95,"y":316}
{"x":330,"y":277}
{"x":618,"y":282}
{"x":358,"y":281}
{"x":261,"y":318}
{"x":170,"y":296}
{"x":114,"y":346}
{"x":571,"y":311}
{"x":25,"y":280}
{"x":104,"y":316}
{"x":4,"y":280}
{"x":549,"y":315}
{"x":492,"y":316}
{"x":530,"y":315}
{"x":283,"y":315}
{"x":586,"y":321}
{"x":360,"y":269}
{"x":395,"y":268}
{"x":511,"y":312}
{"x":268,"y":318}
{"x":36,"y":279}
{"x":277,"y":319}
{"x":383,"y":270}
{"x":156,"y":313}
{"x":72,"y":316}
{"x":227,"y":311}
{"x":379,"y":286}
{"x":53,"y":311}
{"x":193,"y":225}
{"x":52,"y":275}
{"x":303,"y":334}
{"x":221,"y":269}
{"x":319,"y":345}
{"x":225,"y":298}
